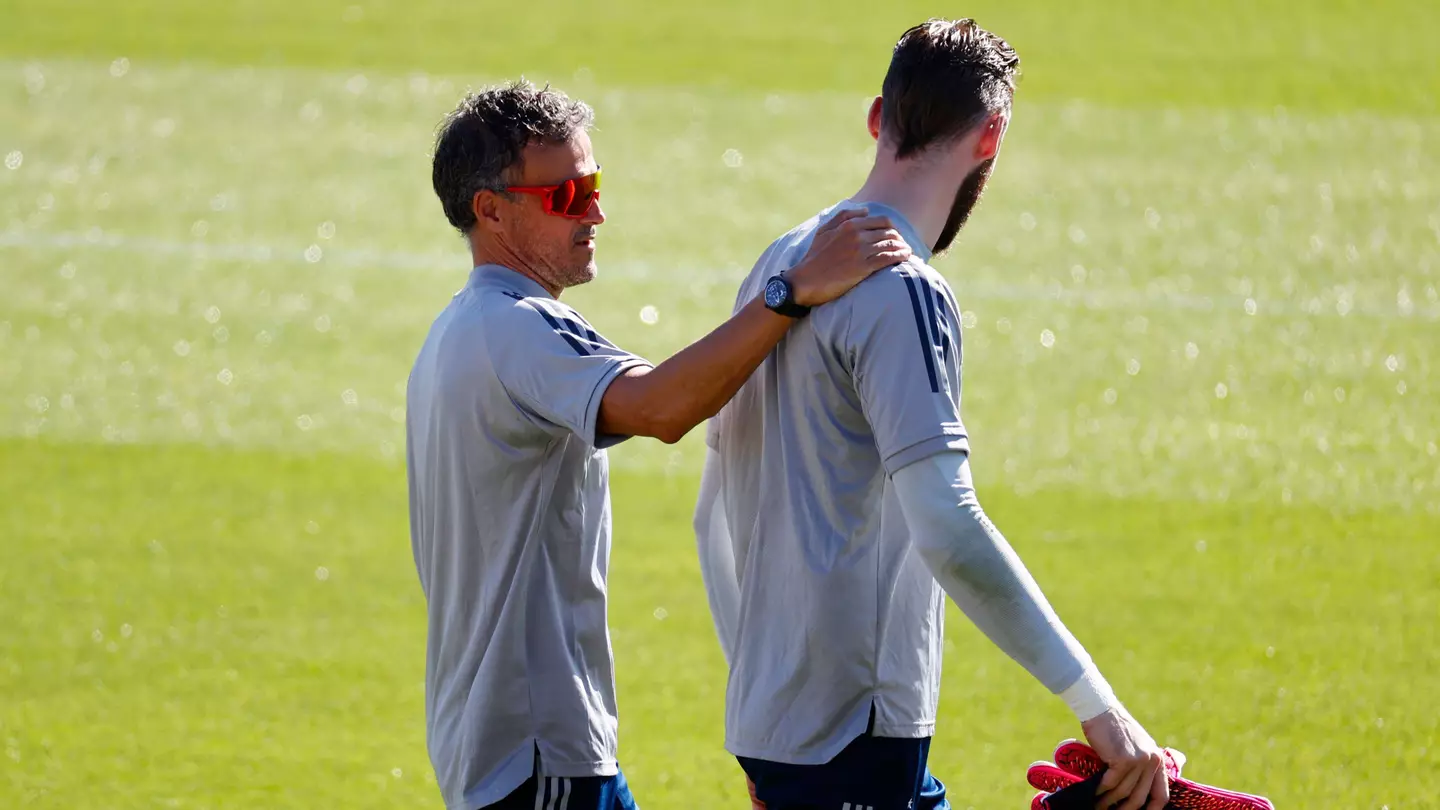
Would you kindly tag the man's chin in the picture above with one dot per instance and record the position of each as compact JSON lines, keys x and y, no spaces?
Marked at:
{"x":585,"y":275}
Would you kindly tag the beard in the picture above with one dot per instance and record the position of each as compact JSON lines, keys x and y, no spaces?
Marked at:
{"x":966,"y":198}
{"x":559,"y":264}
{"x":572,"y":272}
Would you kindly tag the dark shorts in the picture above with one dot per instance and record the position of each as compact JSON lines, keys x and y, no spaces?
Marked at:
{"x":872,"y":773}
{"x":570,"y":793}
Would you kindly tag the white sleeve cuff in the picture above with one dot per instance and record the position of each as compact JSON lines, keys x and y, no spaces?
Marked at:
{"x":1090,"y":696}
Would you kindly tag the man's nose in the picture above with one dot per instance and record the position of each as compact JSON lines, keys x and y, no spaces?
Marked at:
{"x":594,"y":215}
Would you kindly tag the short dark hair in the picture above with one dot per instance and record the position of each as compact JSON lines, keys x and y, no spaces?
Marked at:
{"x":480,"y":143}
{"x":945,"y":78}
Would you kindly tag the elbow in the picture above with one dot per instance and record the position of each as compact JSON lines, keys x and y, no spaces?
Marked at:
{"x":963,"y":551}
{"x":938,"y":557}
{"x":629,"y":417}
{"x":669,"y":421}
{"x":670,"y":431}
{"x":641,"y":409}
{"x":666,"y":424}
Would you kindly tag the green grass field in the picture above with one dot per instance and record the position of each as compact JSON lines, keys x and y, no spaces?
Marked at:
{"x":1202,"y":327}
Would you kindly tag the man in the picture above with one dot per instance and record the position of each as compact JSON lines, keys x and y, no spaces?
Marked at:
{"x":837,"y":489}
{"x":511,"y":402}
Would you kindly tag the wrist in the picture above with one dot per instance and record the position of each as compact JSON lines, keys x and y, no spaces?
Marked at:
{"x":782,"y":296}
{"x":800,"y":287}
{"x":1090,"y":696}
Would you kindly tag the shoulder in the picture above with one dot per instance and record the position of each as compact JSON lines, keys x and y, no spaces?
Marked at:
{"x":892,"y":304}
{"x":783,"y":253}
{"x":492,"y":327}
{"x":791,"y":246}
{"x":506,"y":313}
{"x":901,"y":286}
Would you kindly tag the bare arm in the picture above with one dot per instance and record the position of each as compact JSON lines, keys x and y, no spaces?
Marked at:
{"x":667,"y":401}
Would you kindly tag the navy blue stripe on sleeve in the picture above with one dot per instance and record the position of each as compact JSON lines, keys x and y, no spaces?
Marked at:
{"x":568,"y":318}
{"x":926,"y":347}
{"x":941,"y":315}
{"x":589,"y":330}
{"x":567,"y":330}
{"x":583,"y":330}
{"x":928,"y":292}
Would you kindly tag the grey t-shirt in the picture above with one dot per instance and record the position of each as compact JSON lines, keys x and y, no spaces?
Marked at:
{"x":837,"y":611}
{"x":510,"y":528}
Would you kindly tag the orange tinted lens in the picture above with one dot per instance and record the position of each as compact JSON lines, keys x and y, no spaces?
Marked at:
{"x":562,"y":197}
{"x":574,"y":197}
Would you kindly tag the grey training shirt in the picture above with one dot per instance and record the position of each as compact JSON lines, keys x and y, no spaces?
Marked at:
{"x":837,"y":612}
{"x":510,"y":528}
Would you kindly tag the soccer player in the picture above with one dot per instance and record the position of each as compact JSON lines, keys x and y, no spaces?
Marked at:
{"x":837,"y":489}
{"x":511,"y":402}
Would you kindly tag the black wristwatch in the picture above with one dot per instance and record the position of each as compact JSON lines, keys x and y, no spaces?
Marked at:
{"x":780,"y":298}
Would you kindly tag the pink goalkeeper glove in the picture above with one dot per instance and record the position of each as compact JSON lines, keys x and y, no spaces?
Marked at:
{"x":1069,"y":784}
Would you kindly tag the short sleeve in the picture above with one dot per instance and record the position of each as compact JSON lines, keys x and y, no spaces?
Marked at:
{"x":902,"y":343}
{"x":554,"y":365}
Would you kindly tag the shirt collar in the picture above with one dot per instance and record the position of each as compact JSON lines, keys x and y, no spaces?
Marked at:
{"x":918,"y":247}
{"x":494,"y":275}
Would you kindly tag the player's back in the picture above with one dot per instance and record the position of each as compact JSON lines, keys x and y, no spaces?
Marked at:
{"x":838,"y":616}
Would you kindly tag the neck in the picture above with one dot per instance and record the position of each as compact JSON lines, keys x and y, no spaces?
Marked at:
{"x":921,"y":190}
{"x":489,"y":252}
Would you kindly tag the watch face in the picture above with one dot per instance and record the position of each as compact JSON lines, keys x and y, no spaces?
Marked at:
{"x":775,"y":291}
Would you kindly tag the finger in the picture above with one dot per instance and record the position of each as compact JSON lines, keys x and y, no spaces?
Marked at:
{"x":841,"y":218}
{"x":882,"y":260}
{"x":887,"y":243}
{"x":1141,"y":793}
{"x":1159,"y":791}
{"x":893,"y":254}
{"x":1140,"y":799}
{"x":1109,"y":780}
{"x":879,"y":222}
{"x":898,"y":253}
{"x":881,"y":234}
{"x":1122,"y":789}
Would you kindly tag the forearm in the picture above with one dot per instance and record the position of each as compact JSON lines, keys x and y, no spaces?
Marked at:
{"x":986,"y":579}
{"x":667,"y":401}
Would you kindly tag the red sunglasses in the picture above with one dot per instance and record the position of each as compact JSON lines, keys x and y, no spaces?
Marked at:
{"x":570,"y":199}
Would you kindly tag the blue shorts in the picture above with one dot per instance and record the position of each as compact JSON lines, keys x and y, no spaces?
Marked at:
{"x":872,"y":773}
{"x":569,"y":793}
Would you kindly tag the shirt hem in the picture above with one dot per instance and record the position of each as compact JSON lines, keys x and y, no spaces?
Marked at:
{"x":924,"y":449}
{"x":572,"y":770}
{"x":905,"y":731}
{"x":505,"y":779}
{"x":597,"y":395}
{"x":566,"y":770}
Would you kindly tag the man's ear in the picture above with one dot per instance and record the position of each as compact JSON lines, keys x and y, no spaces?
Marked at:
{"x":872,"y":119}
{"x":485,"y":205}
{"x":991,"y":134}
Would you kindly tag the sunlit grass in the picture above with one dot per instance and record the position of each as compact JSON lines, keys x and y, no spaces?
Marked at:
{"x":1200,"y":358}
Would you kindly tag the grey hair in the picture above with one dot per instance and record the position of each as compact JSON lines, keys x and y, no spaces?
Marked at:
{"x":481,"y":142}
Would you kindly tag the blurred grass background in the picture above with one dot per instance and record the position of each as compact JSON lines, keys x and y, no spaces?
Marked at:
{"x":1201,"y":315}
